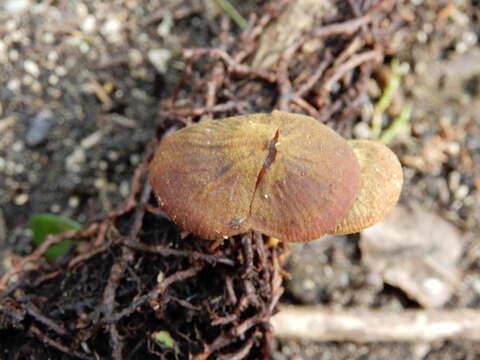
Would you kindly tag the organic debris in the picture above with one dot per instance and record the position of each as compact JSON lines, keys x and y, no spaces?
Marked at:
{"x":140,"y":275}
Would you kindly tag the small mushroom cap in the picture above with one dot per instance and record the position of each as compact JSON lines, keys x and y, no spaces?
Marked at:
{"x":284,"y":175}
{"x":382,"y":180}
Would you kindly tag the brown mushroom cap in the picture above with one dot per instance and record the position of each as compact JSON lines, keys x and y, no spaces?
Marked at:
{"x":284,"y":175}
{"x":382,"y":181}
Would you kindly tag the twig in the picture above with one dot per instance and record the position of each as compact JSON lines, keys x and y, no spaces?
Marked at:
{"x":230,"y":105}
{"x":240,"y":354}
{"x":117,"y":271}
{"x":33,"y":311}
{"x":305,"y":88}
{"x":166,"y":251}
{"x":305,"y":105}
{"x":231,"y":63}
{"x":343,"y":69}
{"x":55,"y":344}
{"x":355,"y":45}
{"x":213,"y":85}
{"x":344,"y":28}
{"x":323,"y":324}
{"x":277,"y":289}
{"x":225,"y":320}
{"x":285,"y":86}
{"x":248,"y":253}
{"x":87,"y":255}
{"x":225,"y":339}
{"x":250,"y":35}
{"x":159,"y":289}
{"x":51,"y":240}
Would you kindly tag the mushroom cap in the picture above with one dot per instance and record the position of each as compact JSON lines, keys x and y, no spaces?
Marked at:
{"x":284,"y":175}
{"x":382,"y":180}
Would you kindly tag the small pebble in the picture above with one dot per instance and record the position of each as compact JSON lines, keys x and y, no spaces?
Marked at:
{"x":461,"y":47}
{"x":73,"y":201}
{"x":39,"y":128}
{"x":27,"y":80}
{"x":91,"y":140}
{"x":36,"y":87}
{"x":18,"y":146}
{"x":165,"y":26}
{"x":433,"y":286}
{"x":89,"y":24}
{"x":103,"y":165}
{"x":49,"y":38}
{"x":135,"y":159}
{"x":453,"y":148}
{"x":13,"y":85}
{"x":32,"y":68}
{"x":470,"y":38}
{"x":112,"y":30}
{"x":74,"y":161}
{"x":462,"y":192}
{"x":124,"y":189}
{"x":16,"y":6}
{"x":422,"y":37}
{"x":21,"y":199}
{"x":362,"y":131}
{"x":454,"y":179}
{"x":427,"y":27}
{"x":159,"y":58}
{"x":53,"y":79}
{"x":61,"y":71}
{"x":113,"y":155}
{"x":100,"y":183}
{"x":135,"y":57}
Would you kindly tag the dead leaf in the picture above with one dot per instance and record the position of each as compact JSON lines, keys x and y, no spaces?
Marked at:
{"x":416,"y":251}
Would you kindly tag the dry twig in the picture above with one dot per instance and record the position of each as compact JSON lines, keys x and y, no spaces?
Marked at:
{"x":321,"y":324}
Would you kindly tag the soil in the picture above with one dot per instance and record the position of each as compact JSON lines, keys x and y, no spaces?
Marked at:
{"x":82,"y":93}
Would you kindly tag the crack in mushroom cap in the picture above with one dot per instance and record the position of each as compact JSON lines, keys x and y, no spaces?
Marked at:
{"x":208,"y":177}
{"x":382,"y":181}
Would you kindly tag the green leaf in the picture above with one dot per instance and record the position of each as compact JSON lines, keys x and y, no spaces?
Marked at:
{"x":43,"y":225}
{"x":164,"y":338}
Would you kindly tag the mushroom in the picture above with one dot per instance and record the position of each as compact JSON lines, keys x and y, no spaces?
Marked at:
{"x":284,"y":175}
{"x":382,"y":181}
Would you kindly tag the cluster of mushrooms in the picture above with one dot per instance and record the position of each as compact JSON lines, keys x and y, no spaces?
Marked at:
{"x":284,"y":175}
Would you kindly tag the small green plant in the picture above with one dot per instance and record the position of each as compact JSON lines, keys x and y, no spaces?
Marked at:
{"x":43,"y":225}
{"x":233,"y":13}
{"x":385,"y":101}
{"x":163,"y":338}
